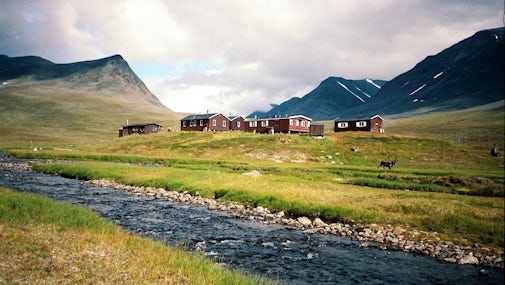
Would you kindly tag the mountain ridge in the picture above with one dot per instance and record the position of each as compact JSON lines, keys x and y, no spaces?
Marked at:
{"x":466,"y":74}
{"x":332,"y":95}
{"x":109,"y":76}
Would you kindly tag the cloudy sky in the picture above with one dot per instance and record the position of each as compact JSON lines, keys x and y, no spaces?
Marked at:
{"x":237,"y":56}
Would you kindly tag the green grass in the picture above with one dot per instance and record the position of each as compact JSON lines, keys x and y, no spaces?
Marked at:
{"x":43,"y":241}
{"x":444,"y":180}
{"x":329,"y":198}
{"x":43,"y":114}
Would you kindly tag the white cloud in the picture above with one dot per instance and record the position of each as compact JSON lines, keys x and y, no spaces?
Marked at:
{"x":238,"y":56}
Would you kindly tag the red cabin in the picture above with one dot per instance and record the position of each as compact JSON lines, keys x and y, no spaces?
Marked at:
{"x":205,"y":122}
{"x":291,"y":124}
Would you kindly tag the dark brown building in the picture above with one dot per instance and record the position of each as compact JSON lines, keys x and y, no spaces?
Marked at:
{"x":237,"y":123}
{"x":292,"y":124}
{"x":139,"y":129}
{"x":205,"y":122}
{"x":373,"y":124}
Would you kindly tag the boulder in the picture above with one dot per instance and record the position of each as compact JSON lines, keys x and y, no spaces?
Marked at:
{"x":468,"y":259}
{"x":318,"y":222}
{"x":304,"y":221}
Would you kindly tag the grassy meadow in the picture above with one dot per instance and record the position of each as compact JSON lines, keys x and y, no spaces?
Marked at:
{"x":444,"y":180}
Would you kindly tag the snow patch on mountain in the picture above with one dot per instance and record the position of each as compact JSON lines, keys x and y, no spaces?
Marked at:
{"x":373,"y":83}
{"x":364,"y":93}
{"x":415,"y":91}
{"x":438,"y":74}
{"x":345,"y":87}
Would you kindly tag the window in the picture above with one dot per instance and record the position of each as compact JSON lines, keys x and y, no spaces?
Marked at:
{"x":297,"y":123}
{"x":303,"y":123}
{"x":253,"y":124}
{"x":264,"y":123}
{"x":290,"y":122}
{"x":343,"y":125}
{"x":214,"y":123}
{"x":194,"y":123}
{"x":224,"y":124}
{"x":238,"y":124}
{"x":201,"y":123}
{"x":308,"y":124}
{"x":361,"y":124}
{"x":183,"y":123}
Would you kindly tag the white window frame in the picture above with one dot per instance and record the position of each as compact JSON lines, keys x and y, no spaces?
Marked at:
{"x":224,"y":124}
{"x":201,"y":123}
{"x":303,"y":123}
{"x":214,"y":122}
{"x":361,"y":124}
{"x":264,"y":123}
{"x":290,"y":122}
{"x":184,"y":123}
{"x":253,"y":124}
{"x":238,"y":124}
{"x":342,"y":125}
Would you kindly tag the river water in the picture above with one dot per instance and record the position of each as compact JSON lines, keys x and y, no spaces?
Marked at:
{"x":270,"y":251}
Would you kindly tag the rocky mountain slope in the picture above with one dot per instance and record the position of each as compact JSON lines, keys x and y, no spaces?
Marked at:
{"x":468,"y":74}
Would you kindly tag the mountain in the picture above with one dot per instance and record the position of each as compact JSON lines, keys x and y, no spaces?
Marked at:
{"x":85,"y":100}
{"x":111,"y":76}
{"x":467,"y":74}
{"x":333,"y":96}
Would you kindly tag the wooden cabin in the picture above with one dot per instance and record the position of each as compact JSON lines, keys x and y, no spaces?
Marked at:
{"x":373,"y":124}
{"x":205,"y":122}
{"x":291,"y":124}
{"x":237,"y":123}
{"x":139,"y":129}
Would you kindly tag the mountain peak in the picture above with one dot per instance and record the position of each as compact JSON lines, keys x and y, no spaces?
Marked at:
{"x":467,"y":74}
{"x":332,"y":96}
{"x":111,"y":76}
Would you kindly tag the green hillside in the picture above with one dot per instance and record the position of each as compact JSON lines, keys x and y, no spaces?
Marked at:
{"x":45,"y":114}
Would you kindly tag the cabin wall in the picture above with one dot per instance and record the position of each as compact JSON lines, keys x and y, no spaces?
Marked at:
{"x":219,"y":123}
{"x":238,"y":124}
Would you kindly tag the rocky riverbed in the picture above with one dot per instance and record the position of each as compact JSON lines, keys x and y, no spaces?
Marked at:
{"x":386,"y":237}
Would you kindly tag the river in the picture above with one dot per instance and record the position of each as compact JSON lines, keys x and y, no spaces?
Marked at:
{"x":270,"y":251}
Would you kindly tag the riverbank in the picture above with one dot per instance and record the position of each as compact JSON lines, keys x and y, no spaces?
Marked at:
{"x":48,"y":242}
{"x":386,"y":237}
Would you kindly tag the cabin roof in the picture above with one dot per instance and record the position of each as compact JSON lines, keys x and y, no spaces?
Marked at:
{"x":358,"y":118}
{"x":141,"y":125}
{"x":278,"y":118}
{"x":199,"y":117}
{"x":234,"y":117}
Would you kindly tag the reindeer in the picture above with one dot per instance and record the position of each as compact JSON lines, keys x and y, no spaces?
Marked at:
{"x":392,"y":161}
